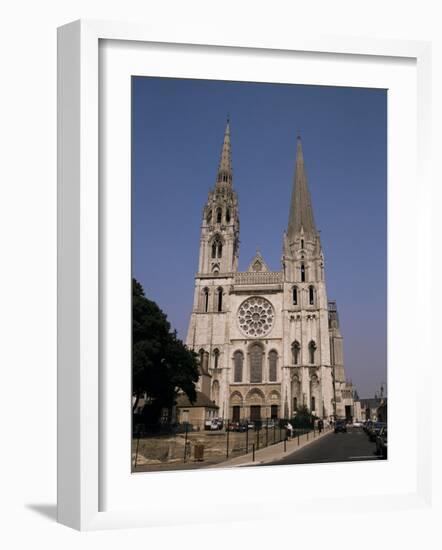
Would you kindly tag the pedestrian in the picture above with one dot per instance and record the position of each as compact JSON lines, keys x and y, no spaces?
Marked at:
{"x":289,"y":429}
{"x":320,"y":426}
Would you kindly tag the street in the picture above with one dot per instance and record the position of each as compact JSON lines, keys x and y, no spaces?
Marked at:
{"x":351,"y":446}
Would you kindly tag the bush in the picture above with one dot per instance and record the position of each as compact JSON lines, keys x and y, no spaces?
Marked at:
{"x":303,"y":418}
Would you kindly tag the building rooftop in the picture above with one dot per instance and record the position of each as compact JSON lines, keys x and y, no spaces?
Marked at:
{"x":202,"y":400}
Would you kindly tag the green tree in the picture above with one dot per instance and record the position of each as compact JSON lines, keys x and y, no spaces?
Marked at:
{"x":162,"y":365}
{"x":303,"y":418}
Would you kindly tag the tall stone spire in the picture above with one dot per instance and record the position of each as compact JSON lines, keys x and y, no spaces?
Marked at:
{"x":225,"y":173}
{"x":301,"y":212}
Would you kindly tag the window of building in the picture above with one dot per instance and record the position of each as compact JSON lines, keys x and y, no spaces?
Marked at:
{"x":311,"y":295}
{"x":237,"y":364}
{"x":295,"y":295}
{"x":273,"y":360}
{"x":273,"y":412}
{"x":228,"y":215}
{"x":206,"y":299}
{"x":295,"y":403}
{"x":215,"y":358}
{"x":255,"y":364}
{"x":296,"y":348}
{"x":219,"y":214}
{"x":311,"y":350}
{"x":215,"y":392}
{"x":313,"y":403}
{"x":302,"y":273}
{"x":204,"y":361}
{"x":302,"y":243}
{"x":209,"y":216}
{"x":220,"y":299}
{"x":217,"y":247}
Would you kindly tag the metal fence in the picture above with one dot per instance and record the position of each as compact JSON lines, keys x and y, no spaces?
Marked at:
{"x":158,"y":446}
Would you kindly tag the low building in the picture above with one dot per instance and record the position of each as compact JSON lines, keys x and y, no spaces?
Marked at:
{"x":196,"y":413}
{"x":374,"y":409}
{"x":348,"y":405}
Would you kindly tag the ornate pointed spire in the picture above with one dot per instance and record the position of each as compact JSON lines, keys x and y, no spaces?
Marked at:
{"x":225,"y":174}
{"x":301,"y":212}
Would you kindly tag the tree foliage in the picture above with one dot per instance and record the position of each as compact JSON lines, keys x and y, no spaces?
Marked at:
{"x":162,"y":364}
{"x":303,"y":418}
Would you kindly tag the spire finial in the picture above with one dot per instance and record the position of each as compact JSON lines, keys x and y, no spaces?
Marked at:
{"x":301,"y":212}
{"x":299,"y":153}
{"x":225,"y":173}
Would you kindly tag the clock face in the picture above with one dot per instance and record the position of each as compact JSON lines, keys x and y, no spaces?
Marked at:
{"x":256,"y":316}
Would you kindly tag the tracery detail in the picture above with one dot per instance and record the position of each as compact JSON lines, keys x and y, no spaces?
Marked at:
{"x":256,"y":316}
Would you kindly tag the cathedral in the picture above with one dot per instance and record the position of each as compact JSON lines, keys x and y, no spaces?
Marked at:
{"x":268,"y":341}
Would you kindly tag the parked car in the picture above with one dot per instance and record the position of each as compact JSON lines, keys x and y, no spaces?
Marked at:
{"x":237,"y":427}
{"x":367,"y":425}
{"x":216,"y":424}
{"x":340,"y":426}
{"x":374,"y":430}
{"x":381,"y":442}
{"x":357,"y":424}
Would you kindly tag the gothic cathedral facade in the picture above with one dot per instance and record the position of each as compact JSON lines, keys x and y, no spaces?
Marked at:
{"x":268,"y":341}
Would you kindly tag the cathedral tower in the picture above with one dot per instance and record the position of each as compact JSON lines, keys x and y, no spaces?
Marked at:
{"x":307,"y":349}
{"x":218,"y":261}
{"x":220,"y":224}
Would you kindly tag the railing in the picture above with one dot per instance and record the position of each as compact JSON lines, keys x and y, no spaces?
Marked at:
{"x":207,"y":443}
{"x":258,"y":277}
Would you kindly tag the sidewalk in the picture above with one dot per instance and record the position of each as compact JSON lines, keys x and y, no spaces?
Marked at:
{"x":273,"y":453}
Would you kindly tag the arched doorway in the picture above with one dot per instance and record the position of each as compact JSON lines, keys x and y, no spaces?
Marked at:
{"x":274,"y":405}
{"x":236,"y":404}
{"x":255,"y":404}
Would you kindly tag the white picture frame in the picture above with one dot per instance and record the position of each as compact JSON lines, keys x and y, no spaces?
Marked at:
{"x":80,"y":268}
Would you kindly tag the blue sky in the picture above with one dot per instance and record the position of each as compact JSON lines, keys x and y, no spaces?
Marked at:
{"x":177,"y":133}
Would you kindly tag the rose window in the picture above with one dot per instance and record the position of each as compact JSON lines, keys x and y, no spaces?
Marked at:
{"x":256,"y":316}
